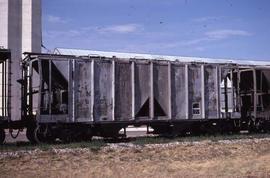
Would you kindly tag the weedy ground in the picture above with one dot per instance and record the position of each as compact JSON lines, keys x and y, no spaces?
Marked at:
{"x":201,"y":156}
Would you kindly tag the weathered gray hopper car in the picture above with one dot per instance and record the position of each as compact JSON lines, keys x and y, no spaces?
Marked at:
{"x":80,"y":96}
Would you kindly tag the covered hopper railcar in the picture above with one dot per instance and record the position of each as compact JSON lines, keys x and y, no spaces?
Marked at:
{"x":74,"y":98}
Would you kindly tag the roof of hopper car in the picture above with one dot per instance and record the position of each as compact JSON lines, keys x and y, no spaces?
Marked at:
{"x":84,"y":52}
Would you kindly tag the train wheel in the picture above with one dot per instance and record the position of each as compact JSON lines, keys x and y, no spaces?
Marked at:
{"x":49,"y":138}
{"x":2,"y":136}
{"x":66,"y":139}
{"x":30,"y":134}
{"x":85,"y":137}
{"x":259,"y":126}
{"x":39,"y":135}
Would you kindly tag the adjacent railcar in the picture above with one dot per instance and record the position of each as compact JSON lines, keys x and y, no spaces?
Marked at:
{"x":4,"y":91}
{"x":77,"y":97}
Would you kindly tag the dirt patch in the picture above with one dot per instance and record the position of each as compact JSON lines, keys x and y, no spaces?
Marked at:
{"x":222,"y":158}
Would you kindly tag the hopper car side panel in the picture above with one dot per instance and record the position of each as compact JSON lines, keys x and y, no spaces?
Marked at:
{"x":103,"y":90}
{"x":178,"y":92}
{"x":108,"y":90}
{"x":83,"y":91}
{"x":123,"y":91}
{"x":195,"y":104}
{"x":161,"y":90}
{"x":210,"y":92}
{"x":142,"y":92}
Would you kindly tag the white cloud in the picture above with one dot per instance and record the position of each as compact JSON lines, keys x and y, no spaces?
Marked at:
{"x":56,"y":19}
{"x":199,"y":48}
{"x":208,"y":18}
{"x":84,"y":32}
{"x":199,"y":44}
{"x":124,"y":28}
{"x":227,"y":33}
{"x":52,"y":34}
{"x":194,"y":41}
{"x":217,"y":35}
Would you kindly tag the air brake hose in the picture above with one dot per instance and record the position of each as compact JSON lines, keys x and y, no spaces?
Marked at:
{"x":11,"y":133}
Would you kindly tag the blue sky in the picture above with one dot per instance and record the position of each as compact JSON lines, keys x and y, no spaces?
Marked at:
{"x":203,"y":28}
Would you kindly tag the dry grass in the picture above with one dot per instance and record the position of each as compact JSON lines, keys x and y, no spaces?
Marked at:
{"x":206,"y":158}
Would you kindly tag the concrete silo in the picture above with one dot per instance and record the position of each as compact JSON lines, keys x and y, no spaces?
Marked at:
{"x":20,"y":31}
